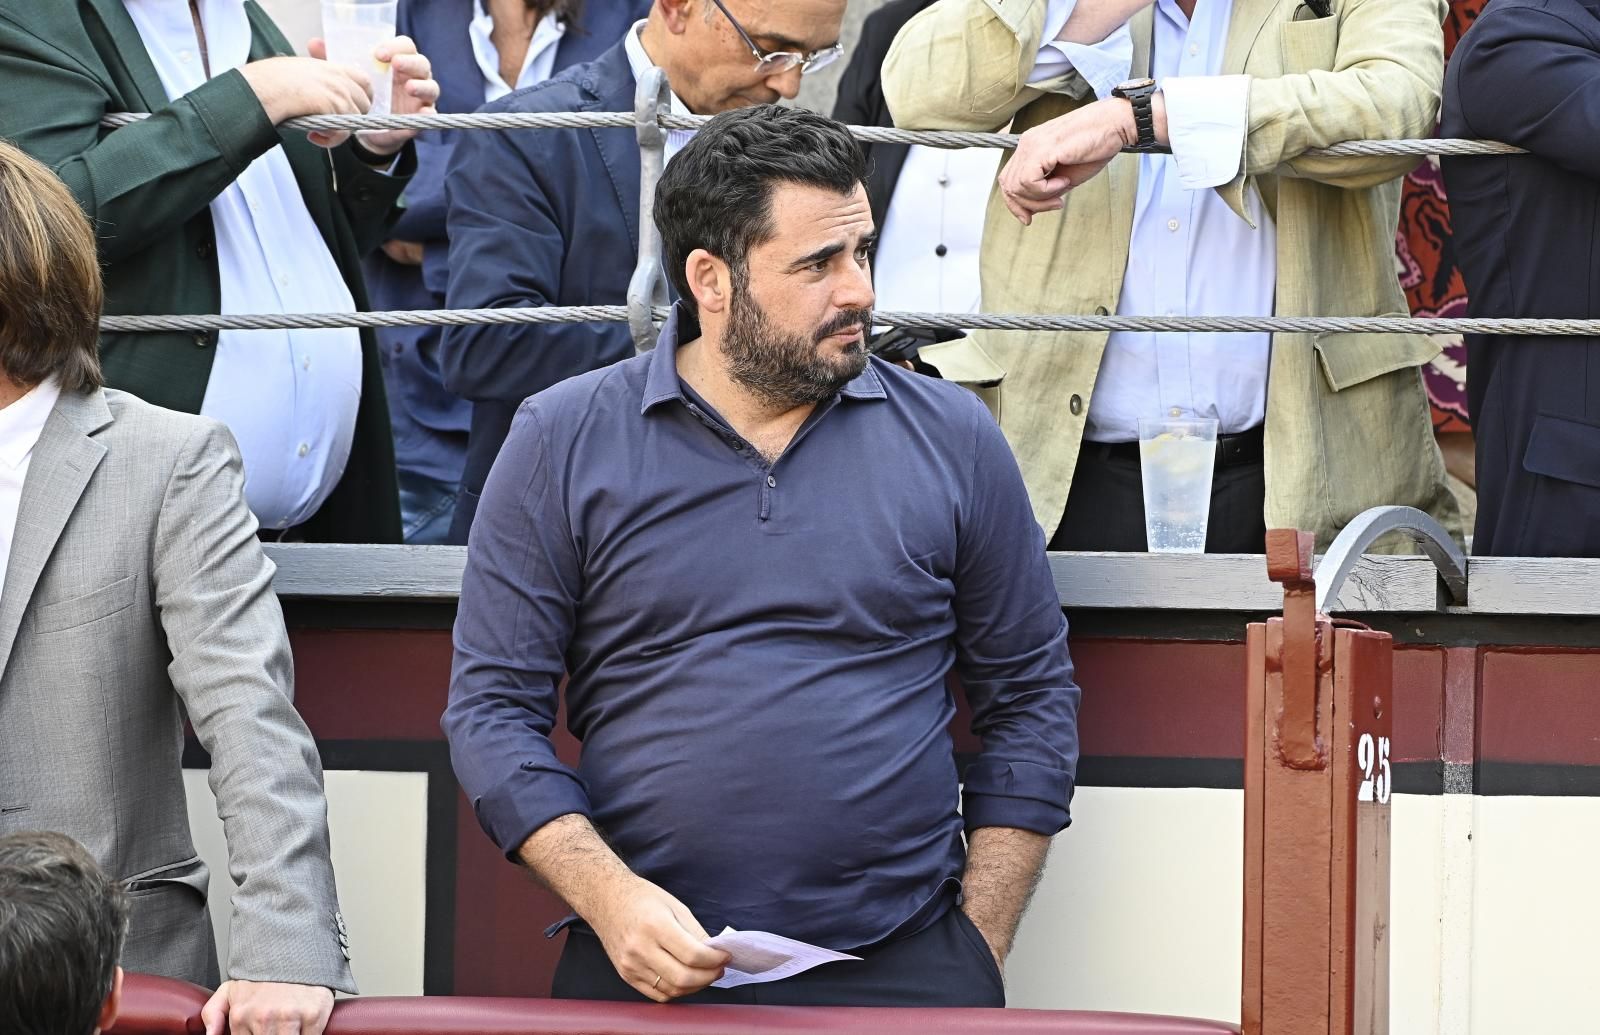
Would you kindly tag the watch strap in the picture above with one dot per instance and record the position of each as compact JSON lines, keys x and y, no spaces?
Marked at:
{"x":1144,"y":119}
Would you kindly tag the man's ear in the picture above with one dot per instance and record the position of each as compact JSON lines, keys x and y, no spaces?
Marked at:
{"x":113,"y":1003}
{"x":675,"y":14}
{"x":709,"y":281}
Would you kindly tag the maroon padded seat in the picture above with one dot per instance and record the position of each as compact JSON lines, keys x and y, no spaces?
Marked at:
{"x":158,"y":1006}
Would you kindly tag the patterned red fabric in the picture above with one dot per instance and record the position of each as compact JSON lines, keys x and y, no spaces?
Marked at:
{"x":1426,"y":259}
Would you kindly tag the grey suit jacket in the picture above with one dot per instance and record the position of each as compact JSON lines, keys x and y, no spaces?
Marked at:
{"x":136,"y":587}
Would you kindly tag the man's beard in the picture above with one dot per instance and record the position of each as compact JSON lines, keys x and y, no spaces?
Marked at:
{"x":785,"y":368}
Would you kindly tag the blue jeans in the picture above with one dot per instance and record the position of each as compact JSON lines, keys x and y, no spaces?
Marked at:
{"x":427,"y":507}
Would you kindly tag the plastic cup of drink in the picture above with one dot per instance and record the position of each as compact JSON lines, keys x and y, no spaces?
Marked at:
{"x":1176,"y":459}
{"x":353,"y":29}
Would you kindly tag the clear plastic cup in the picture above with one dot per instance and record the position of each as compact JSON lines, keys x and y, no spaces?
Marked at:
{"x":1176,"y":459}
{"x":353,"y":29}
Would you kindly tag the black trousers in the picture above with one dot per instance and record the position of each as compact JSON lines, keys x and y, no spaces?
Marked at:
{"x":945,"y":964}
{"x":1105,"y":510}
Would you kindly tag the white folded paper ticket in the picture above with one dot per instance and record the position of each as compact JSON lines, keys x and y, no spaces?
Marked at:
{"x":759,"y":956}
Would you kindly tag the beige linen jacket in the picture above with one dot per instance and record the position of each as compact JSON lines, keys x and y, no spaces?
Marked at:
{"x":1348,"y":425}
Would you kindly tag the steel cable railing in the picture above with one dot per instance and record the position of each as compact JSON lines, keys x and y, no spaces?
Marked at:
{"x":647,"y":291}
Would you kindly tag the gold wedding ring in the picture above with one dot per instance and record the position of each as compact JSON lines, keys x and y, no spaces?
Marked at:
{"x":657,"y":985}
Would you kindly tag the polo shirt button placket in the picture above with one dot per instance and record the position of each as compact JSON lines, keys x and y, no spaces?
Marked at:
{"x":765,"y":510}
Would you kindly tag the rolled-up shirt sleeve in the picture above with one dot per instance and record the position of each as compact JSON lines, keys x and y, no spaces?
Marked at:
{"x":1011,"y":651}
{"x":1101,"y":65}
{"x":516,"y":616}
{"x":1206,"y":123}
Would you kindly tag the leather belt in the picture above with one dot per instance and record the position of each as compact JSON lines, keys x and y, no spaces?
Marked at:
{"x":1237,"y":450}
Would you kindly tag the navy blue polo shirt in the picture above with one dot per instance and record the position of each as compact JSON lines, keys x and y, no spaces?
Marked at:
{"x":758,"y":653}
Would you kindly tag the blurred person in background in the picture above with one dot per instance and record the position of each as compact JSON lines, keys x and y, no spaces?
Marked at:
{"x":1238,"y":220}
{"x":136,"y":598}
{"x":62,"y":924}
{"x":206,"y":207}
{"x":552,"y":218}
{"x":928,"y":203}
{"x":1524,"y":234}
{"x":481,"y":50}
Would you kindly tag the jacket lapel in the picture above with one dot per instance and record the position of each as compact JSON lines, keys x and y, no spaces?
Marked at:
{"x":139,"y":72}
{"x":62,"y":463}
{"x":1249,"y":17}
{"x":610,"y":84}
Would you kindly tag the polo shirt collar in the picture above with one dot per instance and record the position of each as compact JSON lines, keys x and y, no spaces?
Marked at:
{"x":662,"y":383}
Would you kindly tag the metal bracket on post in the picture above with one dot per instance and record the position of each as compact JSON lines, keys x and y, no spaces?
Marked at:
{"x":648,"y":287}
{"x":1289,"y":555}
{"x":1369,"y":526}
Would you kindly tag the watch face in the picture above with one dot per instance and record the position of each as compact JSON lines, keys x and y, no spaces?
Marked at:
{"x":1136,"y":84}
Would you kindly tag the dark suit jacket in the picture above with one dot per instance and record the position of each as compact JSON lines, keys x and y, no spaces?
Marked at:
{"x":1528,"y":73}
{"x":431,"y":423}
{"x":860,"y":102}
{"x":147,"y":187}
{"x":544,"y":218}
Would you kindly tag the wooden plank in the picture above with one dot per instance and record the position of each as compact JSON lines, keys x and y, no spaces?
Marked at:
{"x":1533,"y":585}
{"x":1110,"y":581}
{"x":338,"y":572}
{"x":1230,"y":582}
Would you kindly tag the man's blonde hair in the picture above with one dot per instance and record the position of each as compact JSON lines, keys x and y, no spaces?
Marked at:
{"x":50,"y":288}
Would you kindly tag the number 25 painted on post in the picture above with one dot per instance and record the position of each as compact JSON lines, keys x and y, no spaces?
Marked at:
{"x":1370,"y":756}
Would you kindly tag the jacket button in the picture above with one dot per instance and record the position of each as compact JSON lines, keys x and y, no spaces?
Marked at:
{"x":1101,"y":310}
{"x":1075,"y":404}
{"x":203,"y":250}
{"x":202,"y":340}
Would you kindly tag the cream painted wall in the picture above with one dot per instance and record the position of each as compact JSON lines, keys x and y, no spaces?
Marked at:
{"x":378,"y":824}
{"x":1140,"y":908}
{"x":1495,"y":903}
{"x":1536,"y":915}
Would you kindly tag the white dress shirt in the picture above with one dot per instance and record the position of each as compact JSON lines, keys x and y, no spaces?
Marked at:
{"x":289,"y":397}
{"x":641,"y":63}
{"x":928,"y":245}
{"x":538,"y":64}
{"x":1190,"y":254}
{"x":21,"y":423}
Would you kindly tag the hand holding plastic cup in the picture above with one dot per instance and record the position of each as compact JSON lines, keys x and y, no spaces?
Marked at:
{"x":353,"y":30}
{"x":1176,"y":460}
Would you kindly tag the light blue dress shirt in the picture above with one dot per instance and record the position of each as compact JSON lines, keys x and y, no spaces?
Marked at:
{"x":1190,"y":254}
{"x":289,"y":397}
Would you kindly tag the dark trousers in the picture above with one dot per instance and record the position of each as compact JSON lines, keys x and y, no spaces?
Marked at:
{"x":1105,"y":510}
{"x":946,"y":964}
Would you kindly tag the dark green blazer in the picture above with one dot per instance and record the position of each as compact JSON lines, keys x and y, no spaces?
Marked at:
{"x":147,"y":187}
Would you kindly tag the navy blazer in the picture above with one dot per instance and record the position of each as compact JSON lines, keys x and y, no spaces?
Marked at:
{"x":1524,"y":227}
{"x":539,"y":218}
{"x":430,"y":422}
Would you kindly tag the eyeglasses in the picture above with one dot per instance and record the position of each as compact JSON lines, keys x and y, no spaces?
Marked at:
{"x":777,"y":62}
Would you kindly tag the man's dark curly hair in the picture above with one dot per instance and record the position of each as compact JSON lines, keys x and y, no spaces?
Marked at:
{"x":717,"y":192}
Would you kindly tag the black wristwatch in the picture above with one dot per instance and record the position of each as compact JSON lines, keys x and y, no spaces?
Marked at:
{"x":1138,"y":92}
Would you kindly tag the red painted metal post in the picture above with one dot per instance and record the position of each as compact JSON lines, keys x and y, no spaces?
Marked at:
{"x":1317,"y":790}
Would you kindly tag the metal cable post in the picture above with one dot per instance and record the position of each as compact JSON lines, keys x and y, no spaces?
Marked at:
{"x":648,"y":288}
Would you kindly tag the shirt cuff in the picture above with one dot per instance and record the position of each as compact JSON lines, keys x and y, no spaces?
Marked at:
{"x":536,"y":794}
{"x":1206,"y":122}
{"x":1102,"y":65}
{"x":1024,"y":795}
